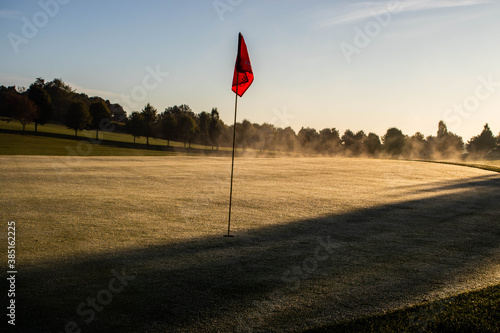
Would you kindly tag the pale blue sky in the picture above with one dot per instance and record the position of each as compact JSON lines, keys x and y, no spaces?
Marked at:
{"x":366,"y":65}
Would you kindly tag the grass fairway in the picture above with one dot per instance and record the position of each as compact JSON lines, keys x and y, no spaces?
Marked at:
{"x":17,"y":144}
{"x":53,"y":139}
{"x":318,"y":240}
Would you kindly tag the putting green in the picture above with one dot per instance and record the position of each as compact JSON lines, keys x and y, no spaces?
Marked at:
{"x":317,"y":239}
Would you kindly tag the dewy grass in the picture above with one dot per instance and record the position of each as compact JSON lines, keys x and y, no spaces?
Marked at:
{"x":475,"y":311}
{"x":490,"y":165}
{"x":398,"y":233}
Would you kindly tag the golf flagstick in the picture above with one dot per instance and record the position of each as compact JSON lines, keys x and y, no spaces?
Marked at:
{"x":232,"y":162}
{"x":242,"y":79}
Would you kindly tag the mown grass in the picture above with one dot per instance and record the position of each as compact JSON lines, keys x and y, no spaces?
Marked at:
{"x":488,"y":165}
{"x":87,"y":134}
{"x":17,"y":144}
{"x":109,"y":143}
{"x":57,"y":140}
{"x":402,"y":232}
{"x":475,"y":311}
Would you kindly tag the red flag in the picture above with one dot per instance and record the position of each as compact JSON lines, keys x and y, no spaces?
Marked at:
{"x":243,"y":74}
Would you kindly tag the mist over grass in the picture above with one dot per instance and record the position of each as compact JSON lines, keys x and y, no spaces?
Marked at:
{"x":259,"y":140}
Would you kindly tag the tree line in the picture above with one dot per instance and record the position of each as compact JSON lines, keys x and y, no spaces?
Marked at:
{"x":57,"y":102}
{"x":180,"y":123}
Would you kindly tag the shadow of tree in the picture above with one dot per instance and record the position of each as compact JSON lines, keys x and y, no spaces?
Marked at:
{"x":281,"y":277}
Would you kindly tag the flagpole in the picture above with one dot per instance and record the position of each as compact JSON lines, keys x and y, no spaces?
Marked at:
{"x":232,"y":161}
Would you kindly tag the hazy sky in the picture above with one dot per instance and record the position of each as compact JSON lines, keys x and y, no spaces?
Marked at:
{"x":366,"y":65}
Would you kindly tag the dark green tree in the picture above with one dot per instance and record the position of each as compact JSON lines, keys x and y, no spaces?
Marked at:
{"x":394,"y":141}
{"x":22,"y":108}
{"x":168,"y":126}
{"x":5,"y":92}
{"x":246,"y":135}
{"x":330,"y":142}
{"x":117,"y":112}
{"x":215,"y":128}
{"x":446,"y":144}
{"x":135,"y":125}
{"x":441,"y":141}
{"x":78,"y":117}
{"x":416,"y":147}
{"x":99,"y":112}
{"x":61,"y":95}
{"x":372,"y":144}
{"x":42,"y":100}
{"x":286,"y":139}
{"x":150,"y":121}
{"x":349,"y":141}
{"x":187,"y":128}
{"x":482,"y":143}
{"x":204,"y":127}
{"x":359,"y":146}
{"x":308,"y":139}
{"x":265,"y":135}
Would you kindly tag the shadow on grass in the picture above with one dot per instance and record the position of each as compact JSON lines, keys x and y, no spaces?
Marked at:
{"x":471,"y":183}
{"x":276,"y":277}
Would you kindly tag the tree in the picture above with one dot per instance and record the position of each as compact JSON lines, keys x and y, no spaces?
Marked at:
{"x":5,"y":92}
{"x":99,"y":112}
{"x":348,"y":140}
{"x":22,"y":108}
{"x":372,"y":144}
{"x":441,"y":144}
{"x":394,"y":141}
{"x":175,"y":110}
{"x":286,"y":139}
{"x":416,"y":147}
{"x":203,"y":126}
{"x":42,"y":100}
{"x":135,"y":124}
{"x":117,"y":112}
{"x":215,"y":128}
{"x":150,"y":119}
{"x":308,"y":139}
{"x":264,"y":136}
{"x":483,"y":143}
{"x":360,"y":139}
{"x":329,"y":140}
{"x":168,"y":126}
{"x":78,"y":117}
{"x":446,"y":144}
{"x":246,"y":135}
{"x":187,"y":128}
{"x":442,"y":129}
{"x":61,"y":95}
